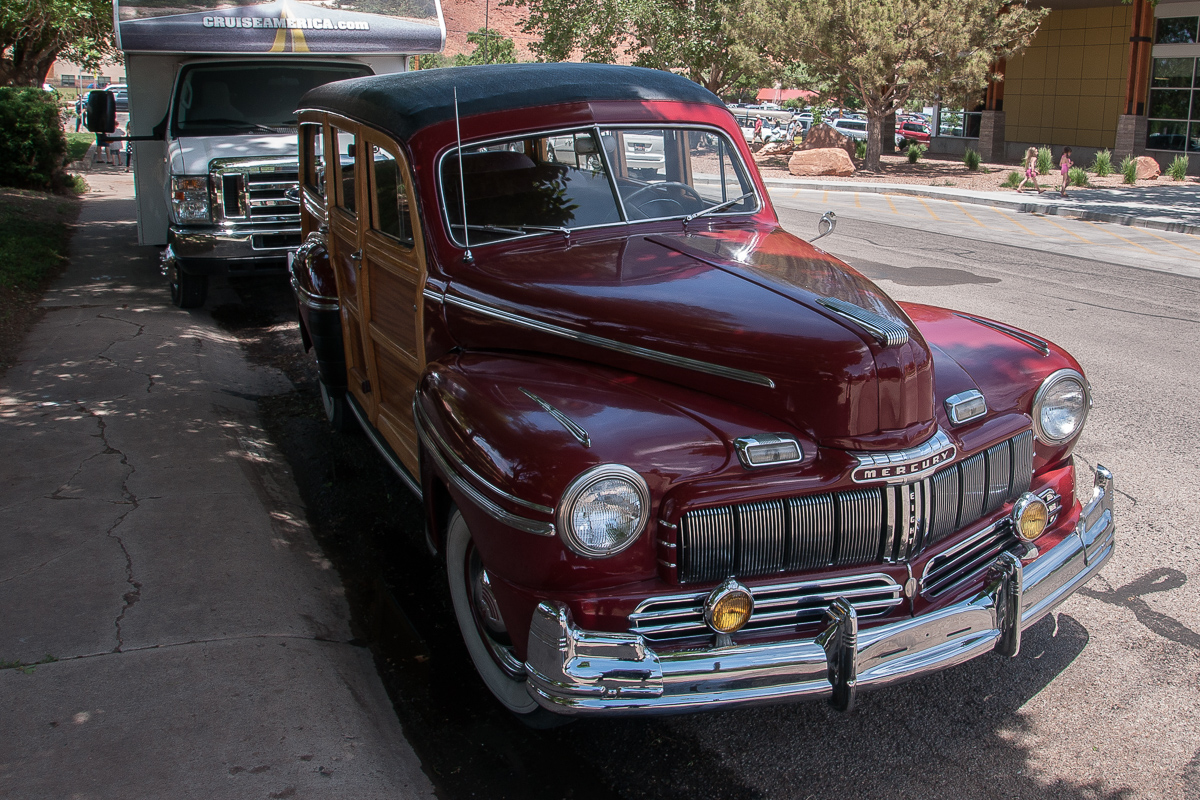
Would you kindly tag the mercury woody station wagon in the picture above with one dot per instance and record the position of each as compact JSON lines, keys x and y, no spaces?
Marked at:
{"x":675,"y":457}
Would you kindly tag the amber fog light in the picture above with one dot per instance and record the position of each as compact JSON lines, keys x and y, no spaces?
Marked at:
{"x":729,"y":607}
{"x":1030,"y":515}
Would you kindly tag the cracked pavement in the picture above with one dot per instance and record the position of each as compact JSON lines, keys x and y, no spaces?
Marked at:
{"x":168,"y":625}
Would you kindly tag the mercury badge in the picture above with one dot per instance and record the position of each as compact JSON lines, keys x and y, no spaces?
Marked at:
{"x":903,"y":466}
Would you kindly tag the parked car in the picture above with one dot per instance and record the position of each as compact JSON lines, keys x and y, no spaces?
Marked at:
{"x":120,"y":93}
{"x":675,"y":457}
{"x":854,"y":128}
{"x":912,"y":132}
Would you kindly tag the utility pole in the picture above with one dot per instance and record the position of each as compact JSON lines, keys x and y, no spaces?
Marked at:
{"x":486,"y":56}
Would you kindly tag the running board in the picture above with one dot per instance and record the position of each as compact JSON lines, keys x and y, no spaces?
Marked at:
{"x":384,"y":448}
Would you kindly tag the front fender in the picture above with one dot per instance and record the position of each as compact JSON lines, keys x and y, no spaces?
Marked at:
{"x":480,"y":412}
{"x":313,"y":282}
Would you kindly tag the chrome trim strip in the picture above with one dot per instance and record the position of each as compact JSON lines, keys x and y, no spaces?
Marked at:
{"x":384,"y":449}
{"x":316,"y":302}
{"x":433,"y":294}
{"x":1040,"y":345}
{"x":427,"y":431}
{"x":572,"y":428}
{"x":609,"y":344}
{"x":887,"y":332}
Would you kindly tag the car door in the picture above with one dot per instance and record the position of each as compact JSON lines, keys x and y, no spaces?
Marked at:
{"x":345,"y":197}
{"x":393,"y":261}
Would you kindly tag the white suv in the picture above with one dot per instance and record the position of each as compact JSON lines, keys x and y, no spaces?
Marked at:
{"x":854,"y":128}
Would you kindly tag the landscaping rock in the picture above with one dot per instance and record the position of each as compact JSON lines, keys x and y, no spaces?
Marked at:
{"x":823,"y":136}
{"x":1147,"y":168}
{"x":774,"y":150}
{"x":826,"y":161}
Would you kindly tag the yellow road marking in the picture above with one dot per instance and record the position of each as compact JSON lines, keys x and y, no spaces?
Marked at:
{"x":1119,"y":236}
{"x":1168,"y":241}
{"x":825,"y":196}
{"x":1067,"y":230}
{"x":892,"y":206}
{"x":1019,"y":225}
{"x":930,"y":210}
{"x":857,"y":200}
{"x":968,"y":214}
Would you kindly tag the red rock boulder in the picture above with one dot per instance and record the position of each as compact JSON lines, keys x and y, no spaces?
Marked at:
{"x":822,"y":136}
{"x":826,"y":161}
{"x":1147,"y":168}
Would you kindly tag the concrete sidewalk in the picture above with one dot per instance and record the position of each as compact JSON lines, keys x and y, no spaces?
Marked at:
{"x":1166,"y":205}
{"x":168,"y":626}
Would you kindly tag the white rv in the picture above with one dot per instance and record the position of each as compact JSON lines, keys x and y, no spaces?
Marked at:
{"x":212,"y":91}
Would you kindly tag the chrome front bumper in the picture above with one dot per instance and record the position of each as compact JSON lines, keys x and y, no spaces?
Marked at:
{"x":233,"y":242}
{"x":576,"y":672}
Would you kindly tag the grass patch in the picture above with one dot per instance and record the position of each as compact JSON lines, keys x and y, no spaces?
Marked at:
{"x":78,"y":144}
{"x":1129,"y":170}
{"x":34,"y":230}
{"x":1077,"y":176}
{"x":1012,"y":180}
{"x":915,"y":151}
{"x":1102,"y":164}
{"x":1045,"y":161}
{"x":1178,"y":168}
{"x":971,"y":159}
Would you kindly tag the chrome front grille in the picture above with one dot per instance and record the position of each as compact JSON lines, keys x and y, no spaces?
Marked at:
{"x":966,"y":559}
{"x":778,"y":607}
{"x":255,"y":190}
{"x":879,"y":524}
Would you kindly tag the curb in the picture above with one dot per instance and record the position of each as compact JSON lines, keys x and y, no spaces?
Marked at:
{"x":1023,"y":207}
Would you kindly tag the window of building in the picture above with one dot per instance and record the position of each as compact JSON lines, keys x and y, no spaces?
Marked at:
{"x":958,"y":122}
{"x":1174,"y":110}
{"x":1177,"y":30}
{"x":66,"y":80}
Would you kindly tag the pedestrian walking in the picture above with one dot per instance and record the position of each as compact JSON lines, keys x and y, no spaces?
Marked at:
{"x":115,"y":146}
{"x":78,"y":112}
{"x":1030,"y":171}
{"x":1064,"y":165}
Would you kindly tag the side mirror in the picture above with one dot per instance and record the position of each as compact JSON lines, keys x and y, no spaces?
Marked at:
{"x":585,"y":146}
{"x":101,"y":111}
{"x":825,"y":225}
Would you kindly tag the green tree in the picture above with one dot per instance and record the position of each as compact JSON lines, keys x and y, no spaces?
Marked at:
{"x":883,"y":52}
{"x":490,"y":48}
{"x":701,"y":39}
{"x":35,"y":32}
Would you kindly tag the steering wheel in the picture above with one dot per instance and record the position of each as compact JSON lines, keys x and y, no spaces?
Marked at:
{"x":663,"y":187}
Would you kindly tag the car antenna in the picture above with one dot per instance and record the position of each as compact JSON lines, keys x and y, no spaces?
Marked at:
{"x":462,"y":184}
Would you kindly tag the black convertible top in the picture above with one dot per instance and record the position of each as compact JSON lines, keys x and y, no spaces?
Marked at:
{"x":405,"y":102}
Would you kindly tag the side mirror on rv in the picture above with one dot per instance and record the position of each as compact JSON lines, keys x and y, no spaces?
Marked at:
{"x":101,"y":111}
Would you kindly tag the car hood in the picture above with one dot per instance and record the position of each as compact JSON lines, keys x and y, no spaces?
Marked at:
{"x":191,"y":155}
{"x":733,"y":313}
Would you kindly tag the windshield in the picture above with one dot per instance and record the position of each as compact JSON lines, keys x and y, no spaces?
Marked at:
{"x":598,"y":176}
{"x":247,"y":97}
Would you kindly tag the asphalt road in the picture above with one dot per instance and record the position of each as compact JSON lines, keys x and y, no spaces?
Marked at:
{"x":1102,"y":702}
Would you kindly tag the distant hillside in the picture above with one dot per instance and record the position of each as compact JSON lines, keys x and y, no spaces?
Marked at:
{"x":465,"y":16}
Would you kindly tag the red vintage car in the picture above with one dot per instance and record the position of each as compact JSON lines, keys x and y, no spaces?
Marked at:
{"x":675,"y":457}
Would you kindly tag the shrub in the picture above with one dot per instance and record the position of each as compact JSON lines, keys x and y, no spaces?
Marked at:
{"x":1129,"y":169}
{"x":1102,"y":164}
{"x":32,"y":147}
{"x":1077,"y":176}
{"x":78,"y":144}
{"x":971,"y":159}
{"x":1012,"y":180}
{"x":1045,"y":161}
{"x":915,"y":151}
{"x":1178,"y":168}
{"x":860,"y":149}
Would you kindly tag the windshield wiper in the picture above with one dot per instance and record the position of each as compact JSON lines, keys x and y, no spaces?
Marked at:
{"x":717,"y":207}
{"x":516,"y":230}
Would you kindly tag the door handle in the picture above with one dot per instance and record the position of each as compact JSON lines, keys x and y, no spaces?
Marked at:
{"x":356,"y":257}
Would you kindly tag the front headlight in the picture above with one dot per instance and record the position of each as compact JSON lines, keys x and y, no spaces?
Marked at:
{"x":603,"y":510}
{"x":189,"y":198}
{"x":1061,"y":406}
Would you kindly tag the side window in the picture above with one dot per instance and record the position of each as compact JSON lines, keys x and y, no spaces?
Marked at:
{"x":312,"y":156}
{"x":347,"y":146}
{"x":390,"y":199}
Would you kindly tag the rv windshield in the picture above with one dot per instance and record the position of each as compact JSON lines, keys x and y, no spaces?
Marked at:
{"x":221,"y":99}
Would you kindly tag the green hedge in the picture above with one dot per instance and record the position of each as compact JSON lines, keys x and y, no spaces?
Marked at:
{"x":32,"y":146}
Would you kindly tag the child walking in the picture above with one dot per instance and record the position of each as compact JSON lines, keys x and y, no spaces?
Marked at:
{"x":1030,"y":171}
{"x":1064,"y":165}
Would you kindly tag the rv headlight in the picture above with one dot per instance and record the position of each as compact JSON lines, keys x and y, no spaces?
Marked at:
{"x":603,"y":510}
{"x":189,"y":198}
{"x":1061,"y":406}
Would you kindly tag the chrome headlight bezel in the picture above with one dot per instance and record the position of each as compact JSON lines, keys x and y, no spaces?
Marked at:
{"x":1052,"y":381}
{"x":190,"y":199}
{"x":585,"y":481}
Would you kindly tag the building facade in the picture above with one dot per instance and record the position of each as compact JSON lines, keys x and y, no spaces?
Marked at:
{"x":1098,"y":75}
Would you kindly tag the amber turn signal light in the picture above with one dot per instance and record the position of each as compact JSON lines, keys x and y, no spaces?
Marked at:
{"x":1030,"y":516}
{"x":728,"y":607}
